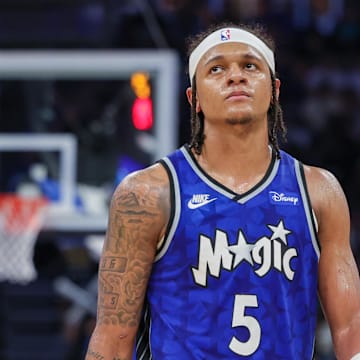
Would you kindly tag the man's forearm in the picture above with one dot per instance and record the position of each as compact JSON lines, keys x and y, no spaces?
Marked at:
{"x":93,"y":354}
{"x":347,"y":346}
{"x":108,"y":347}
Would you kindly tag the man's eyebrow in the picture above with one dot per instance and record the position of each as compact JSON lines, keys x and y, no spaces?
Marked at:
{"x":251,"y":56}
{"x":246,"y":56}
{"x":214,"y":58}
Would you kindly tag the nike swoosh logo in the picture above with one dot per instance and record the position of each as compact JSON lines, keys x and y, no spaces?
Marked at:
{"x":195,"y":206}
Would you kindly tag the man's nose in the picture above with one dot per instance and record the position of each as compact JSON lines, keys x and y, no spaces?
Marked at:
{"x":236,"y":74}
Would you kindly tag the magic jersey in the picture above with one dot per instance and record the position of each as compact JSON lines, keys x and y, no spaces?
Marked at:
{"x":236,"y":275}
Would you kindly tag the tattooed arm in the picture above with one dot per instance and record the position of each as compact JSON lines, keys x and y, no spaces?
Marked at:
{"x":138,"y":217}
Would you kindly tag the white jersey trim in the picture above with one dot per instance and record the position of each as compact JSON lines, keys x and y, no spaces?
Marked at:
{"x":222,"y":190}
{"x":165,"y":243}
{"x":310,"y":214}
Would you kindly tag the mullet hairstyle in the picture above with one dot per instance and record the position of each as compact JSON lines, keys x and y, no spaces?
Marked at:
{"x":276,"y":124}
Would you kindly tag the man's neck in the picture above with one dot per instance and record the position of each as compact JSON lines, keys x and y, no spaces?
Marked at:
{"x":238,"y":162}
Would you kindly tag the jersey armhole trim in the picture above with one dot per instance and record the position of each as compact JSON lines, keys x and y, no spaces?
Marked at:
{"x":175,"y":208}
{"x":143,"y":345}
{"x":310,"y":214}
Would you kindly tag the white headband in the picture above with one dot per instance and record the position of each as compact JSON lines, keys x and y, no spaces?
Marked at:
{"x":230,"y":35}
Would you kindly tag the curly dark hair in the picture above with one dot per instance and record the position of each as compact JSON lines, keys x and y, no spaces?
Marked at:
{"x":275,"y":115}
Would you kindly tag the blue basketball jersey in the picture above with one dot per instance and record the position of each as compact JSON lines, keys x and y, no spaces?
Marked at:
{"x":236,"y":275}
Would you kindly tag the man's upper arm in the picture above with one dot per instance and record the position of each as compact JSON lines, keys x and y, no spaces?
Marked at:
{"x":138,"y":216}
{"x":339,"y":286}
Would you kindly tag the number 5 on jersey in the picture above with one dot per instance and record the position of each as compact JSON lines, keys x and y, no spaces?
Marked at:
{"x":248,"y":347}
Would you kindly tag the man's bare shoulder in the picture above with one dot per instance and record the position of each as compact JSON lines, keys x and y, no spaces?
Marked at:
{"x":153,"y":178}
{"x":321,"y":180}
{"x":326,"y":193}
{"x":317,"y":176}
{"x":143,"y":197}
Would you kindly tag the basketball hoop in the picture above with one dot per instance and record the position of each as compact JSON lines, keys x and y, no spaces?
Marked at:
{"x":21,"y":219}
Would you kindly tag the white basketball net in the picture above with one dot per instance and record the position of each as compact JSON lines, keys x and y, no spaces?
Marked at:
{"x":20,"y":223}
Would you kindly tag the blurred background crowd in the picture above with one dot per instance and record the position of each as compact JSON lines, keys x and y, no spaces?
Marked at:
{"x":318,"y":62}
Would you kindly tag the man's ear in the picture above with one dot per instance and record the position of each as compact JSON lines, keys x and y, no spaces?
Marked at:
{"x":277,"y":88}
{"x":189,"y":95}
{"x":189,"y":98}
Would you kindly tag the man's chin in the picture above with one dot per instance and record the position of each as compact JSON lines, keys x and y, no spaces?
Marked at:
{"x":243,"y":120}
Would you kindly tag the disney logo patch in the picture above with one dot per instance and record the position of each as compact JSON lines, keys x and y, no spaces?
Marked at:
{"x":283,"y":199}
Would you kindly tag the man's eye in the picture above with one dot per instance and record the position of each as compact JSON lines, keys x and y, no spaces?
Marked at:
{"x":250,"y":66}
{"x":216,"y":69}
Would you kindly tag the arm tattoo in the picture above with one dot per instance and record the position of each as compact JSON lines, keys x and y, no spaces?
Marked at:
{"x":136,"y":218}
{"x":95,"y":354}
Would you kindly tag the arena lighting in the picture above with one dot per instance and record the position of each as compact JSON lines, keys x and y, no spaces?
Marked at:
{"x":142,"y":109}
{"x":142,"y":114}
{"x":140,"y":84}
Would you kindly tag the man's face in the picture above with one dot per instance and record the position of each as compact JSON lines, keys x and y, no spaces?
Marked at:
{"x":233,"y":84}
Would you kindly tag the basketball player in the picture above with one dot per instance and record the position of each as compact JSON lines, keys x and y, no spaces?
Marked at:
{"x":222,"y":247}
